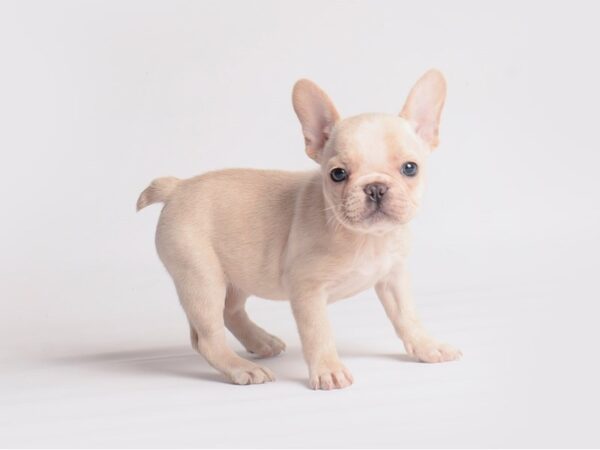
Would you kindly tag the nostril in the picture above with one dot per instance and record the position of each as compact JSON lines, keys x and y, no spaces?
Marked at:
{"x":375,"y":191}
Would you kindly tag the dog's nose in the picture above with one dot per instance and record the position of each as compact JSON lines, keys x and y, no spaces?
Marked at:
{"x":375,"y":191}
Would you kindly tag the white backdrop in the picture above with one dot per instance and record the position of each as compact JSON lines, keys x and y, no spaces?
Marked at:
{"x":98,"y":98}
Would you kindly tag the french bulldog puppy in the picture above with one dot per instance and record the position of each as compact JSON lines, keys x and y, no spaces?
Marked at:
{"x":312,"y":238}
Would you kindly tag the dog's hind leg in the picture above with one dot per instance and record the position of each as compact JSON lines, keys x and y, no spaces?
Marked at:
{"x":254,"y":338}
{"x":201,"y":288}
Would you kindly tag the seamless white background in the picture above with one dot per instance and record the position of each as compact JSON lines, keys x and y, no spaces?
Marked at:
{"x":98,"y":98}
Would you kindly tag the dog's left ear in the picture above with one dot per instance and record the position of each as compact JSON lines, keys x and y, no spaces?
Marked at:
{"x":317,"y":116}
{"x":423,"y":107}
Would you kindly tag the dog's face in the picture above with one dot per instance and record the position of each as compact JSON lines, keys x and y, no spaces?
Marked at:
{"x":373,"y":165}
{"x":373,"y":170}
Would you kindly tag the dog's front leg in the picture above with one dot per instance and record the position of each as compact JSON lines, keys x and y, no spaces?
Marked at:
{"x":326,"y":371}
{"x":394,"y":293}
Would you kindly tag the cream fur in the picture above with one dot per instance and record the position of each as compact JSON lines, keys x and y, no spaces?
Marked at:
{"x":301,"y":236}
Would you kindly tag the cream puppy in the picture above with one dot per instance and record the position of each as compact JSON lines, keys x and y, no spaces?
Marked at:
{"x":312,"y":238}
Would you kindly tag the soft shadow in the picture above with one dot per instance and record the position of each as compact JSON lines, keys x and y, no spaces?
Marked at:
{"x":183,"y":362}
{"x":346,"y":352}
{"x":398,"y":357}
{"x":179,"y":362}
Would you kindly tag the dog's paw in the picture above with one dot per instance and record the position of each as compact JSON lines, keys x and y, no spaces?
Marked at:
{"x":251,"y":375}
{"x":334,"y":376}
{"x":264,"y":345}
{"x":430,"y":351}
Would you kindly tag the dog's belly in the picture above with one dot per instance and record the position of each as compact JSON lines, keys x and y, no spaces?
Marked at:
{"x":267,"y":285}
{"x":269,"y":289}
{"x":349,"y":285}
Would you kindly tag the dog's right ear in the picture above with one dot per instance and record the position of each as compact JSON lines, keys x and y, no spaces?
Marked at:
{"x":317,"y":116}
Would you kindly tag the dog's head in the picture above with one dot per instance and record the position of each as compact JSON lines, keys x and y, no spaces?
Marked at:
{"x":373,"y":165}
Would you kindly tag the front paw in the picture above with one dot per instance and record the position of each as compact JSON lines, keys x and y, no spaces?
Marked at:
{"x":430,"y":351}
{"x":330,"y":376}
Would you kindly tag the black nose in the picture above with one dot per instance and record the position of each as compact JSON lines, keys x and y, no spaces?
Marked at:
{"x":375,"y":191}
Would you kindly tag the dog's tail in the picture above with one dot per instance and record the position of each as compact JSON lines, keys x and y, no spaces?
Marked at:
{"x":159,"y":191}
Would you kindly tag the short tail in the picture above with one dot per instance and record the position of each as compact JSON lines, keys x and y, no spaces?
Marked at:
{"x":158,"y":191}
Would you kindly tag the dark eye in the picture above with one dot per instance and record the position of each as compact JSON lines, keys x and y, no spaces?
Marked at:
{"x":338,"y":174}
{"x":410,"y":169}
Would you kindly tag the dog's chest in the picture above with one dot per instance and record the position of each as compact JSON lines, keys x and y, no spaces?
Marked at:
{"x":367,"y":266}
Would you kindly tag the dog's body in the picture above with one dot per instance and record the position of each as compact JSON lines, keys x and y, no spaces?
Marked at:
{"x":312,"y":238}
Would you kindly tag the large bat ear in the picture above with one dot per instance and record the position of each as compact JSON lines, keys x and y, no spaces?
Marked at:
{"x":317,"y":116}
{"x":423,"y":107}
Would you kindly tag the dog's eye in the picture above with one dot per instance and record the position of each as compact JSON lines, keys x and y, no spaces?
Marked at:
{"x":410,"y":169}
{"x":338,"y":174}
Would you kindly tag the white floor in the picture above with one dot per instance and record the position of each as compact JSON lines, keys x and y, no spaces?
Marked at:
{"x":122,"y":374}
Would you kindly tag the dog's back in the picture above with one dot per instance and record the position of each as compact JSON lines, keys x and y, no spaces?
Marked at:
{"x":229,"y":214}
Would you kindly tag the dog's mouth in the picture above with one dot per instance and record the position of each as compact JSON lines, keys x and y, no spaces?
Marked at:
{"x":371,"y":218}
{"x":365,"y":216}
{"x":378,"y":214}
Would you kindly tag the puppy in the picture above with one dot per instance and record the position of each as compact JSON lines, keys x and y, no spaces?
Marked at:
{"x":312,"y":238}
